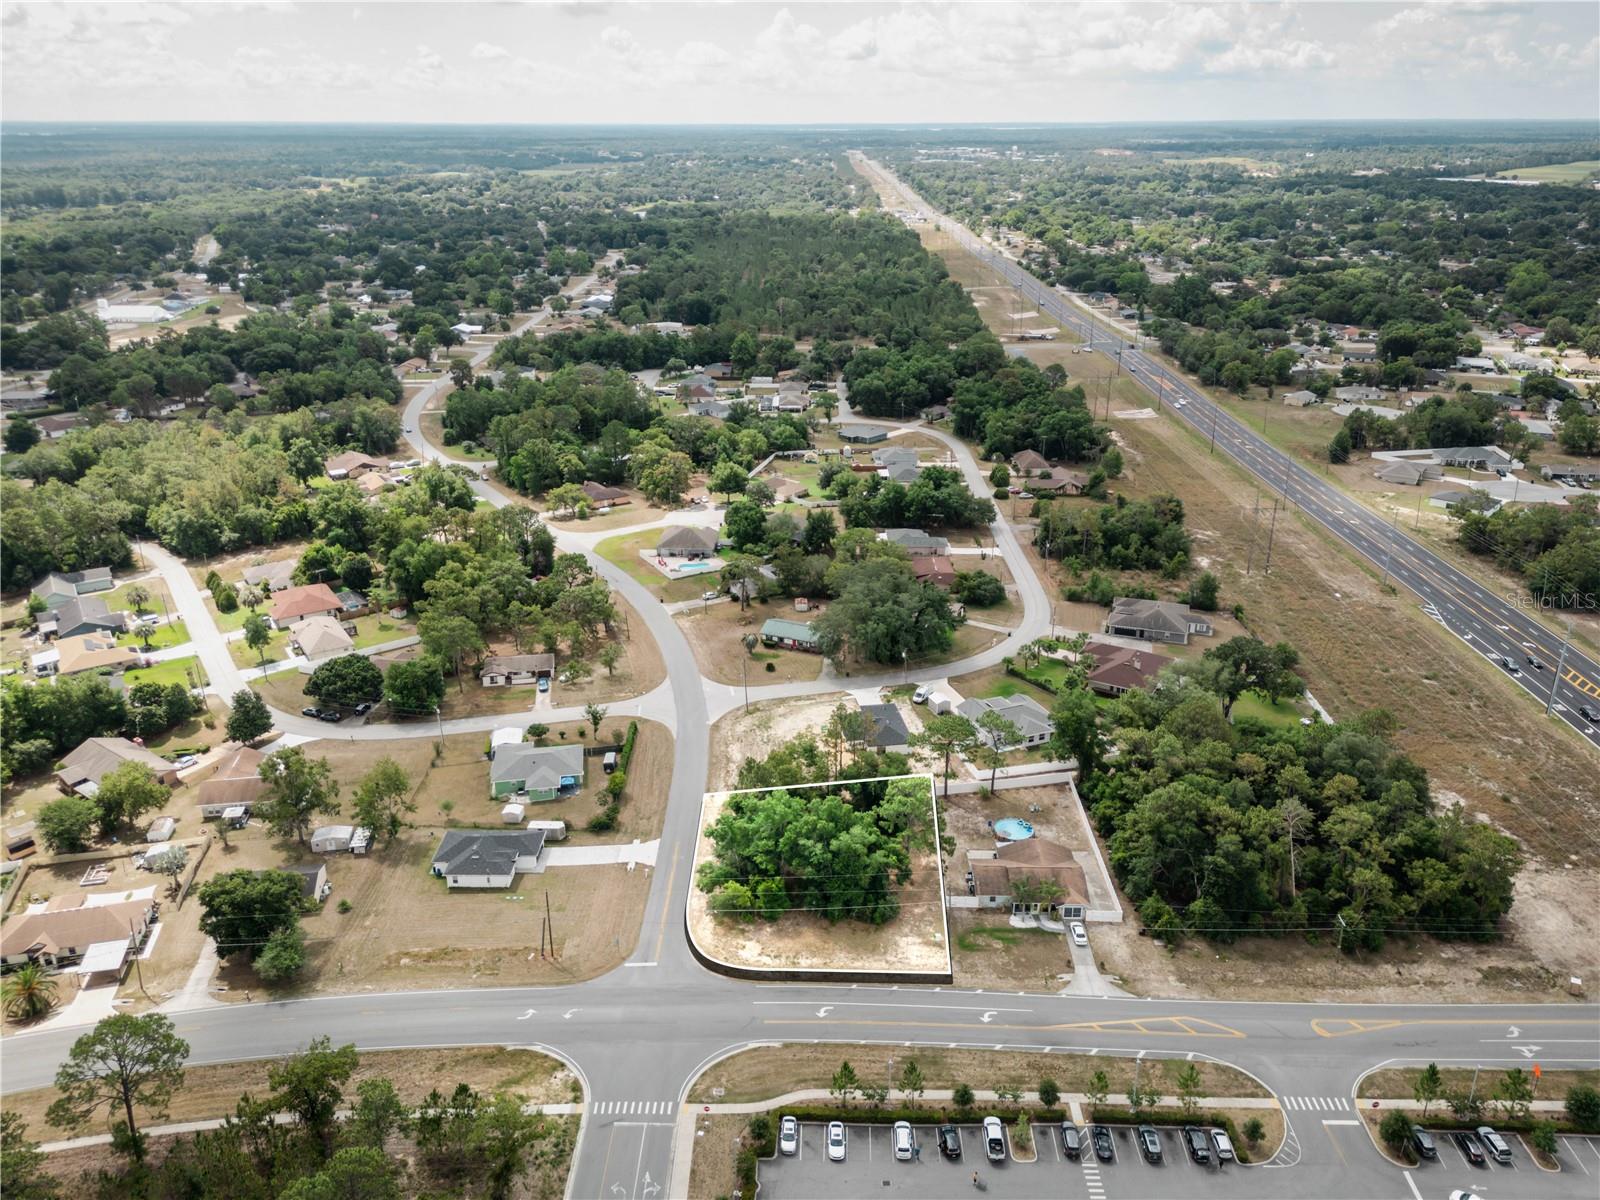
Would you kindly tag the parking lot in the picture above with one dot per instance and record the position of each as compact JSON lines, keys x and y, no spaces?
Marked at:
{"x":1355,"y":1170}
{"x":871,"y":1169}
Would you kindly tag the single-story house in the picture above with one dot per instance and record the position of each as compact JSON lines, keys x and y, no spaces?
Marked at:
{"x":1155,"y":621}
{"x":1453,"y":496}
{"x":74,"y":929}
{"x":895,"y":456}
{"x":237,"y":784}
{"x":904,"y":474}
{"x":762,"y":385}
{"x":915,"y":542}
{"x":1301,"y":399}
{"x":1482,"y":458}
{"x":719,"y":370}
{"x":788,"y":635}
{"x":686,"y":541}
{"x":888,"y":730}
{"x":512,"y":670}
{"x":92,"y":652}
{"x":58,"y":587}
{"x":78,"y":615}
{"x":271,"y":577}
{"x":410,"y":367}
{"x":352,"y":464}
{"x":1531,"y":335}
{"x":466,"y":328}
{"x":1036,"y":860}
{"x":1358,"y":394}
{"x":863,"y":435}
{"x":1030,"y":462}
{"x":541,"y":772}
{"x":1408,"y":473}
{"x":308,"y":600}
{"x":487,"y":858}
{"x":1115,"y":669}
{"x":1026,"y":713}
{"x":602,"y":496}
{"x":1055,"y":481}
{"x":935,"y":569}
{"x":716,"y":409}
{"x":1474,"y":364}
{"x":936,"y":412}
{"x":320,"y":637}
{"x":82,"y":770}
{"x":313,"y":878}
{"x":58,"y":425}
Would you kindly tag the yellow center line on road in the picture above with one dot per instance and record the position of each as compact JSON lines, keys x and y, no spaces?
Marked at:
{"x":666,"y":909}
{"x":1337,"y":1027}
{"x":1190,"y":1027}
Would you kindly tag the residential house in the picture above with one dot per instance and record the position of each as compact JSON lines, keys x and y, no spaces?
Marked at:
{"x":352,"y":464}
{"x":1056,"y":482}
{"x":1026,"y":713}
{"x":996,"y":877}
{"x":719,"y":370}
{"x":1115,"y":669}
{"x":271,"y":577}
{"x":602,"y":496}
{"x":1155,"y":621}
{"x":888,"y":731}
{"x":1301,"y":399}
{"x":1474,"y":364}
{"x":78,"y":615}
{"x":716,"y":409}
{"x":1358,"y":395}
{"x":891,"y":456}
{"x":915,"y":542}
{"x":761,"y":385}
{"x":1529,"y":335}
{"x":237,"y":785}
{"x":863,"y":435}
{"x":82,"y":770}
{"x":308,"y":600}
{"x":410,"y":367}
{"x":1030,"y":462}
{"x":516,"y":670}
{"x":487,"y":858}
{"x":788,"y":635}
{"x":1481,"y":458}
{"x":935,"y":569}
{"x":542,"y":772}
{"x":58,"y":425}
{"x":93,"y":652}
{"x":466,"y":328}
{"x":75,"y":929}
{"x":686,"y":541}
{"x":936,"y":412}
{"x":904,"y":474}
{"x":319,"y":637}
{"x":1408,"y":473}
{"x":56,"y":588}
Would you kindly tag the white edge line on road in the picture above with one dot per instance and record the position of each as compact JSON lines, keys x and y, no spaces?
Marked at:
{"x":1412,"y":1184}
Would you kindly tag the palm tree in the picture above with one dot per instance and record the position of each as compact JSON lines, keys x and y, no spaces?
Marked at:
{"x":138,"y":596}
{"x":28,"y":992}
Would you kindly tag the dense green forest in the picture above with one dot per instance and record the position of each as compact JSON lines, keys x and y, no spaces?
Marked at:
{"x":1557,"y":550}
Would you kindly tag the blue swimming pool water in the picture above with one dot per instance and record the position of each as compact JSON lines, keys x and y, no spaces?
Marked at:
{"x":1013,"y":829}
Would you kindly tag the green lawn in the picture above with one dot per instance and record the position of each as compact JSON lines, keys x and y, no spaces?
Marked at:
{"x":277,"y":649}
{"x":1253,"y":704}
{"x":174,"y":634}
{"x":378,"y":628}
{"x":175,"y":671}
{"x":623,"y":550}
{"x":1572,"y":172}
{"x":228,"y":622}
{"x":988,"y":937}
{"x":117,"y":598}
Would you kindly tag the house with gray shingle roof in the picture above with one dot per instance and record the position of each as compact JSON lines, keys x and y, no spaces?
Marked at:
{"x":1026,"y":713}
{"x":542,"y":772}
{"x":915,"y":542}
{"x":487,"y":858}
{"x":1155,"y":620}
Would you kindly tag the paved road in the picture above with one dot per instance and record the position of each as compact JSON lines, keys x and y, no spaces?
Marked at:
{"x":1490,"y":622}
{"x":638,"y":1036}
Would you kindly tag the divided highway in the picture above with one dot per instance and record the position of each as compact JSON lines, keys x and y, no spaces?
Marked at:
{"x":1492,"y":623}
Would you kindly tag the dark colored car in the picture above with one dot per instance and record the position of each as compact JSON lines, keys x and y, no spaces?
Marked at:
{"x":311,"y":712}
{"x":331,"y":715}
{"x":1071,"y":1141}
{"x":1149,"y":1143}
{"x":1468,"y":1145}
{"x":1422,"y":1140}
{"x":950,"y":1141}
{"x":1534,"y":662}
{"x":1589,"y":713}
{"x":363,"y":708}
{"x":1196,"y":1142}
{"x":1100,"y":1136}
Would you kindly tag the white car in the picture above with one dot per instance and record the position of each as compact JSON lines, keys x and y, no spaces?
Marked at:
{"x":920,"y":696}
{"x":709,"y":595}
{"x":905,"y":1141}
{"x":789,"y":1136}
{"x":994,"y":1139}
{"x":1080,"y":936}
{"x":836,"y":1141}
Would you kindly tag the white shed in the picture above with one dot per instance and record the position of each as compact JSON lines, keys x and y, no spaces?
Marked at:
{"x":330,"y":839}
{"x":513,"y":813}
{"x":938,"y":703}
{"x":554,"y":831}
{"x":161,"y":829}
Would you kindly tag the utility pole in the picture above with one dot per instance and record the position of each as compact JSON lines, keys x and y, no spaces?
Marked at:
{"x":1255,"y":528}
{"x":1561,"y":666}
{"x":549,"y":921}
{"x":1272,"y":529}
{"x":1388,"y":550}
{"x":1214,"y":436}
{"x":1342,"y":928}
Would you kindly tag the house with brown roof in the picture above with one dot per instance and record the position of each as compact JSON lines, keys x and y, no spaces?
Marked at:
{"x":93,"y":652}
{"x":602,"y":496}
{"x":352,"y":464}
{"x":935,"y":569}
{"x":237,"y":784}
{"x":1115,"y":669}
{"x":994,"y":878}
{"x":1030,"y":462}
{"x":515,"y":670}
{"x":410,"y":367}
{"x":310,"y":600}
{"x":75,"y":929}
{"x":82,"y":770}
{"x":1055,"y":482}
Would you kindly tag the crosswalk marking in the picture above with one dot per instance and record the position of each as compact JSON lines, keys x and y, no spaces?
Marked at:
{"x":1316,"y":1103}
{"x":1091,"y":1179}
{"x":632,"y":1108}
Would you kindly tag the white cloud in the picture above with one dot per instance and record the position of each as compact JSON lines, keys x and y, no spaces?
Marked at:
{"x":489,"y":50}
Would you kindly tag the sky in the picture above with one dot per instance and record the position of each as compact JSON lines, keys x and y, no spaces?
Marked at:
{"x":749,"y":62}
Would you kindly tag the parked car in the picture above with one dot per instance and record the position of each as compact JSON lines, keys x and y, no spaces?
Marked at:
{"x":711,"y":595}
{"x":331,"y":715}
{"x":1496,"y":1145}
{"x":308,"y":711}
{"x":789,"y":1136}
{"x":905,"y":1142}
{"x":1224,"y":1145}
{"x":1422,"y":1142}
{"x":1470,"y":1150}
{"x":920,"y":696}
{"x":1149,"y":1143}
{"x":1071,"y":1141}
{"x":1100,"y":1138}
{"x":836,"y":1141}
{"x":950,"y":1141}
{"x":544,"y":683}
{"x":994,"y":1139}
{"x":1197,"y":1143}
{"x":184,"y":762}
{"x":1080,"y":935}
{"x":364,"y":708}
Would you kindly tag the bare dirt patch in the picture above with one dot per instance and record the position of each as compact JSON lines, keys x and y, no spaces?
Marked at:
{"x":757,"y":731}
{"x":913,"y":941}
{"x":989,"y":953}
{"x":715,"y":633}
